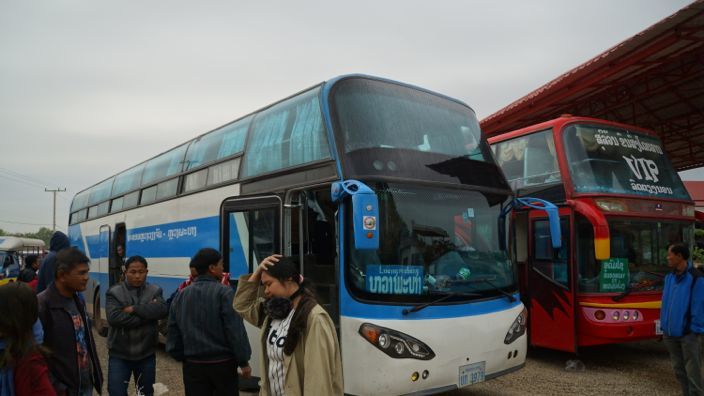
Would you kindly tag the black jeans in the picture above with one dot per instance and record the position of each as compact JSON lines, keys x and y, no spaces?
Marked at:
{"x":206,"y":379}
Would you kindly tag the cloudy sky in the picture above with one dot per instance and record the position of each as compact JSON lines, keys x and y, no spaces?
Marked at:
{"x":89,"y":88}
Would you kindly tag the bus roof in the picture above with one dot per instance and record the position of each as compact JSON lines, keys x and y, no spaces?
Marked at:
{"x":563,"y":120}
{"x":11,"y":243}
{"x":327,"y":86}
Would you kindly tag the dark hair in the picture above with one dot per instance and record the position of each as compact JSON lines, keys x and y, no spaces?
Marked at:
{"x":681,"y":249}
{"x":285,"y":270}
{"x":30,"y":259}
{"x":137,"y":259}
{"x":68,"y":259}
{"x":204,"y":259}
{"x":18,"y":303}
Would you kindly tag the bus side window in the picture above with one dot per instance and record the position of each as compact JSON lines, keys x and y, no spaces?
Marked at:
{"x":550,"y":263}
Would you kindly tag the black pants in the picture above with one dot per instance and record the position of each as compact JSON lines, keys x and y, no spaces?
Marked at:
{"x":206,"y":379}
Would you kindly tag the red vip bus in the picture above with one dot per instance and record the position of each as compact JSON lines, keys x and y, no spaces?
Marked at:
{"x":621,"y":203}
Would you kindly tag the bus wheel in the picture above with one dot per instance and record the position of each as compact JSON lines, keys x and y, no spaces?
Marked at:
{"x":97,"y":320}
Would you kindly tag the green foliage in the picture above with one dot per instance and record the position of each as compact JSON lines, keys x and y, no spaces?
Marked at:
{"x":44,"y":234}
{"x":699,"y":234}
{"x":698,"y":255}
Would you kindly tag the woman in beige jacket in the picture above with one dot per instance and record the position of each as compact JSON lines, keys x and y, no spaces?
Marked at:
{"x":301,"y":355}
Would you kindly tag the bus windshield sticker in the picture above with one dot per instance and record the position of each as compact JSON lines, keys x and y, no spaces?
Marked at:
{"x":394,"y":279}
{"x":469,"y":214}
{"x":614,"y":275}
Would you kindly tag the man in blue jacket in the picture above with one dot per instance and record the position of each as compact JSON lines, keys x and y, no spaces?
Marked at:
{"x":58,"y":242}
{"x":682,"y":317}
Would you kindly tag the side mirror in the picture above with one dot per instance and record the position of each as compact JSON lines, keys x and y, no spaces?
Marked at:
{"x":553,"y":217}
{"x":365,"y":212}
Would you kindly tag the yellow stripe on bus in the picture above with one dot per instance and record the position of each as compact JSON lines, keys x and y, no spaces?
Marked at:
{"x":645,"y":304}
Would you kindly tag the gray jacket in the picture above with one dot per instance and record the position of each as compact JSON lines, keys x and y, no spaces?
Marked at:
{"x":134,"y":336}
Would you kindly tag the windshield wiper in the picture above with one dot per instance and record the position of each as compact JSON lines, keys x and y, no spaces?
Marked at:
{"x":417,"y":308}
{"x":638,"y":287}
{"x":508,"y":295}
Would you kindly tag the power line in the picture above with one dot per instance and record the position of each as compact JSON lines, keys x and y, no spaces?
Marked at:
{"x":54,"y":191}
{"x":24,"y":176}
{"x":21,"y":222}
{"x":11,"y":175}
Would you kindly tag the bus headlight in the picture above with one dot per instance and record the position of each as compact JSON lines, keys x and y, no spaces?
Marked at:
{"x":394,"y":343}
{"x":518,"y":328}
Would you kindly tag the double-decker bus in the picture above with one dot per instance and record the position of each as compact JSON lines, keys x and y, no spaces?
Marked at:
{"x":621,"y":204}
{"x":385,"y":193}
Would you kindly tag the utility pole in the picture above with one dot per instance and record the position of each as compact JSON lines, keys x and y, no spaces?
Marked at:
{"x":57,"y":190}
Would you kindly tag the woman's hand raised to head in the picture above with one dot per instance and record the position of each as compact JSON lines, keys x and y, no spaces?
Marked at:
{"x":264,"y":266}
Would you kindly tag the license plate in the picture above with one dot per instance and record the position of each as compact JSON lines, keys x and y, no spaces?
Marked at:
{"x":472,"y":374}
{"x":658,"y":330}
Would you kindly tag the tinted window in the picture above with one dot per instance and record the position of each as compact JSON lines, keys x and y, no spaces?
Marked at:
{"x":167,"y":189}
{"x":376,"y":114}
{"x":218,"y":144}
{"x":103,"y":208}
{"x":617,"y":161}
{"x":131,"y":200}
{"x":92,"y":211}
{"x":552,"y":264}
{"x":80,"y":200}
{"x":127,"y":180}
{"x":167,"y":164}
{"x":223,"y":172}
{"x":529,"y":160}
{"x":148,"y":195}
{"x":117,"y":204}
{"x":100,"y":192}
{"x":195,"y":180}
{"x":287,"y":134}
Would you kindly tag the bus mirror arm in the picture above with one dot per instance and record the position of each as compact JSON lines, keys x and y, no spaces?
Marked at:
{"x":365,"y":212}
{"x":553,"y":217}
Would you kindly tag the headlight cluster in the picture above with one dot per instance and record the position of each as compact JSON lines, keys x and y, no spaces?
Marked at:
{"x":394,"y":343}
{"x":518,"y":328}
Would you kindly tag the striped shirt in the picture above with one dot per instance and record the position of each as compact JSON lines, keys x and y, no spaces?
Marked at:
{"x":275,"y":351}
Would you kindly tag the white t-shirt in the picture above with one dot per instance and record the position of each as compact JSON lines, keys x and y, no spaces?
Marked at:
{"x":275,"y":351}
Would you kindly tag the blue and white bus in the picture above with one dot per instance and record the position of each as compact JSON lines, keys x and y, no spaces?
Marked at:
{"x":387,"y":195}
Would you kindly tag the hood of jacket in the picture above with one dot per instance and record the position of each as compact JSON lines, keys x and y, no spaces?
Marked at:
{"x":59,"y":241}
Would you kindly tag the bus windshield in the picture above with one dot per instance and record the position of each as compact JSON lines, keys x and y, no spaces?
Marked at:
{"x":638,"y":251}
{"x":616,"y":161}
{"x":432,"y":242}
{"x":377,"y":114}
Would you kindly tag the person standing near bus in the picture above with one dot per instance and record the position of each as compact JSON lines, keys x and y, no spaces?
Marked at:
{"x":681,"y":317}
{"x":28,"y":274}
{"x":134,"y":308}
{"x":23,"y":367}
{"x":301,"y":354}
{"x":73,"y":361}
{"x":58,"y":242}
{"x":205,"y":333}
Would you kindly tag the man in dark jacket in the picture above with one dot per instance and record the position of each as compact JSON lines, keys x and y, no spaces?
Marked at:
{"x":73,"y":362}
{"x":134,"y":308}
{"x":681,"y":319}
{"x":58,"y":241}
{"x":206,"y":333}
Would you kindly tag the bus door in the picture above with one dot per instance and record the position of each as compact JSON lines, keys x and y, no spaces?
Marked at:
{"x":103,"y":253}
{"x":550,"y":284}
{"x":251,"y":231}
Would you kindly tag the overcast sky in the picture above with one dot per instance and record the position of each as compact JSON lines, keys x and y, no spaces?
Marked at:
{"x":89,"y":88}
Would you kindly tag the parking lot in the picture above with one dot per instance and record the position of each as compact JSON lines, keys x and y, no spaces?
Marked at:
{"x":627,"y":369}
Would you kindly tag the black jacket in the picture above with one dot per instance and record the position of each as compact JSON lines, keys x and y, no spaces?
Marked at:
{"x":134,"y":336}
{"x":59,"y":338}
{"x":59,"y":241}
{"x":203,"y":326}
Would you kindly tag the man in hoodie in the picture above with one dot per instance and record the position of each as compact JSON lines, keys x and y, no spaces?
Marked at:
{"x":134,"y":308}
{"x":58,"y":242}
{"x":681,"y":318}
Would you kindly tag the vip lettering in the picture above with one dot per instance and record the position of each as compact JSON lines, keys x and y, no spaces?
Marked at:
{"x":643,"y":168}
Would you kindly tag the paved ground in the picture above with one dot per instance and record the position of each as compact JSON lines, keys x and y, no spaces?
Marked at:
{"x":628,"y":369}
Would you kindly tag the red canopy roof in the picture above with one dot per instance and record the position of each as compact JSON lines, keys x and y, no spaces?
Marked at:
{"x":654,"y":80}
